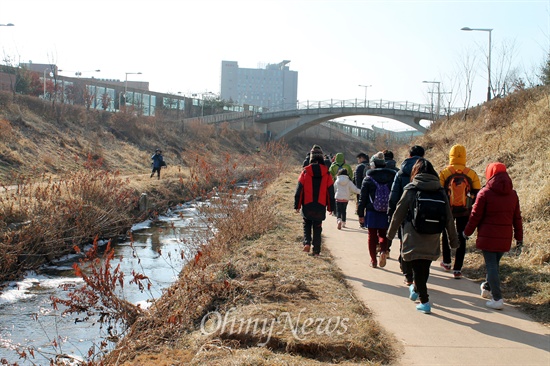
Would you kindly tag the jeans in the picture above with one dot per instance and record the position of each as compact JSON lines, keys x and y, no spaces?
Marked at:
{"x":492,"y":264}
{"x":377,"y":236}
{"x":317,"y":229}
{"x":421,"y":272}
{"x":341,"y":208}
{"x":461,"y":251}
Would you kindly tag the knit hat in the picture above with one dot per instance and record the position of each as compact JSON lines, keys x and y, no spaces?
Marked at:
{"x":493,"y":169}
{"x":316,"y":153}
{"x":378,"y":160}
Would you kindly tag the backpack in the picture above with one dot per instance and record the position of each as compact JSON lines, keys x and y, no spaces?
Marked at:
{"x":429,"y":212}
{"x":381,"y":197}
{"x":458,"y":186}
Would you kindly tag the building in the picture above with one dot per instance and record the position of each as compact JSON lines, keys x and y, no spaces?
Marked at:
{"x":274,"y":87}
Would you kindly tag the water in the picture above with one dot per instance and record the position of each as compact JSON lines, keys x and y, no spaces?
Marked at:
{"x":26,"y":314}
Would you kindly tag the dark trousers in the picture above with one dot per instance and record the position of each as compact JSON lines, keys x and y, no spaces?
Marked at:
{"x":406,"y":268}
{"x":421,"y":272}
{"x":317,"y":228}
{"x":492,"y":264}
{"x":460,"y":223}
{"x":156,"y":170}
{"x":341,"y":208}
{"x":377,"y":236}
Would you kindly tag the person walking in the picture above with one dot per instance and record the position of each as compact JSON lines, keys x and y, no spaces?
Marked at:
{"x":497,"y":216}
{"x":157,"y":163}
{"x":314,"y":196}
{"x":402,"y":178}
{"x":373,"y":207}
{"x":340,"y":163}
{"x":462,"y":185}
{"x":359,"y":175}
{"x":344,"y":188}
{"x":419,"y":249}
{"x":390,"y":163}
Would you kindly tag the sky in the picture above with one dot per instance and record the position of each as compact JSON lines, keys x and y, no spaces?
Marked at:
{"x":335,"y":45}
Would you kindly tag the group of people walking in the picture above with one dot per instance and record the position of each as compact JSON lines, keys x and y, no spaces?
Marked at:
{"x":431,"y":213}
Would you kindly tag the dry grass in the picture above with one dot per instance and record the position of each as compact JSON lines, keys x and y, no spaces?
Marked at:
{"x":263,"y":277}
{"x":514,"y":131}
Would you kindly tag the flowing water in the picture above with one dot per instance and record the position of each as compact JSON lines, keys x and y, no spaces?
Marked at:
{"x":26,"y":314}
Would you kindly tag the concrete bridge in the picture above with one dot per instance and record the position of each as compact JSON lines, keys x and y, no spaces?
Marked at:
{"x":308,"y":114}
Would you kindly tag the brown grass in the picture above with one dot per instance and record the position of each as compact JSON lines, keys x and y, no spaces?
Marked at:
{"x":257,"y":272}
{"x":514,"y":131}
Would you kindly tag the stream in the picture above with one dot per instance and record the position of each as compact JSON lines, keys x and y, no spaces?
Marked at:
{"x":27,"y":317}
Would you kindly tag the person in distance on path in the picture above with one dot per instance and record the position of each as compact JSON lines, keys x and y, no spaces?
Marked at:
{"x":419,"y":250}
{"x":158,"y":162}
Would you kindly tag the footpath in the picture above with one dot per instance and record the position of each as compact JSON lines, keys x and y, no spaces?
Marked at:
{"x":459,"y":331}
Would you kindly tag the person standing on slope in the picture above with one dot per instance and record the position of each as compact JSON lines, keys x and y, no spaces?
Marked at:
{"x":157,"y":162}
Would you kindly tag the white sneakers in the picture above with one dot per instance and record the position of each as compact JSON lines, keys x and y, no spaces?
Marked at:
{"x":486,"y":294}
{"x":495,"y":304}
{"x":339,"y":224}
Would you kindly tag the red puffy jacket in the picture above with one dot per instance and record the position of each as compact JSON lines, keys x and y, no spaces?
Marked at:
{"x":496,"y":215}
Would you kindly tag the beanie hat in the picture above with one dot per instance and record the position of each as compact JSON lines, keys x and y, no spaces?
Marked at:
{"x":493,"y":169}
{"x":316,"y":153}
{"x":377,"y":160}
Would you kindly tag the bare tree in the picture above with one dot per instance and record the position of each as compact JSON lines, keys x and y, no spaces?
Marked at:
{"x":466,"y":74}
{"x":504,"y":74}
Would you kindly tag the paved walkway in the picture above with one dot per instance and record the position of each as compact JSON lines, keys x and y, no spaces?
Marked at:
{"x":460,"y":330}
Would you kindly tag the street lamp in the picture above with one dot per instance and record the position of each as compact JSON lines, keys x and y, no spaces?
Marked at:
{"x":365,"y":86}
{"x":438,"y":93}
{"x":126,"y":87}
{"x":488,"y":57}
{"x":46,"y":69}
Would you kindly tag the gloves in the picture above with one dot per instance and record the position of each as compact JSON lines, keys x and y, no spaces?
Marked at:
{"x":465,"y":236}
{"x":519,"y":248}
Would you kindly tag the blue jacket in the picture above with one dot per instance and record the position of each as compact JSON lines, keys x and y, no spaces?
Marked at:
{"x":157,"y":160}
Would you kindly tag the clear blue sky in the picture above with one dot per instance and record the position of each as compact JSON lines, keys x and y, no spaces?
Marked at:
{"x":335,"y":45}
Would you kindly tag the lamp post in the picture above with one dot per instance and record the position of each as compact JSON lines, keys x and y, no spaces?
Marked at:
{"x":488,"y":57}
{"x":366,"y":87}
{"x":46,"y":69}
{"x":126,"y":87}
{"x":438,"y":93}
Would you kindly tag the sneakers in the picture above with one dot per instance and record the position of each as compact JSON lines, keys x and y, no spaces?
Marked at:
{"x":446,"y":266}
{"x":495,"y":304}
{"x":413,"y":295}
{"x":373,"y":264}
{"x":485,"y":293}
{"x":343,"y":224}
{"x":339,"y":224}
{"x":307,"y":248}
{"x":425,"y":308}
{"x":457,"y":275}
{"x":388,"y":253}
{"x":314,"y":254}
{"x":383,"y":259}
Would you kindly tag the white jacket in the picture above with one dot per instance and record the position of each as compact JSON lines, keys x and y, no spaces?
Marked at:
{"x":344,"y":187}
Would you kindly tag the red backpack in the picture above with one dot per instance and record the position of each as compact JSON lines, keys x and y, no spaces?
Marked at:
{"x":458,"y":186}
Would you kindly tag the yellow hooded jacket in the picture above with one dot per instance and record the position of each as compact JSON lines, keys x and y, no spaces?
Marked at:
{"x":457,"y":159}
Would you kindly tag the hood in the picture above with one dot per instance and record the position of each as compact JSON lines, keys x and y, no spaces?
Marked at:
{"x":316,"y":170}
{"x":457,"y":155}
{"x":407,"y":165}
{"x":425,"y":182}
{"x":342,"y":179}
{"x":339,"y":158}
{"x":500,"y":183}
{"x":493,"y":169}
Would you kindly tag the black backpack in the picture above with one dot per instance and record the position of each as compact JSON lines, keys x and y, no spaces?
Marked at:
{"x":429,"y":212}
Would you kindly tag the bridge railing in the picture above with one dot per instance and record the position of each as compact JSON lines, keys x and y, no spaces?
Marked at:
{"x":355,"y":103}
